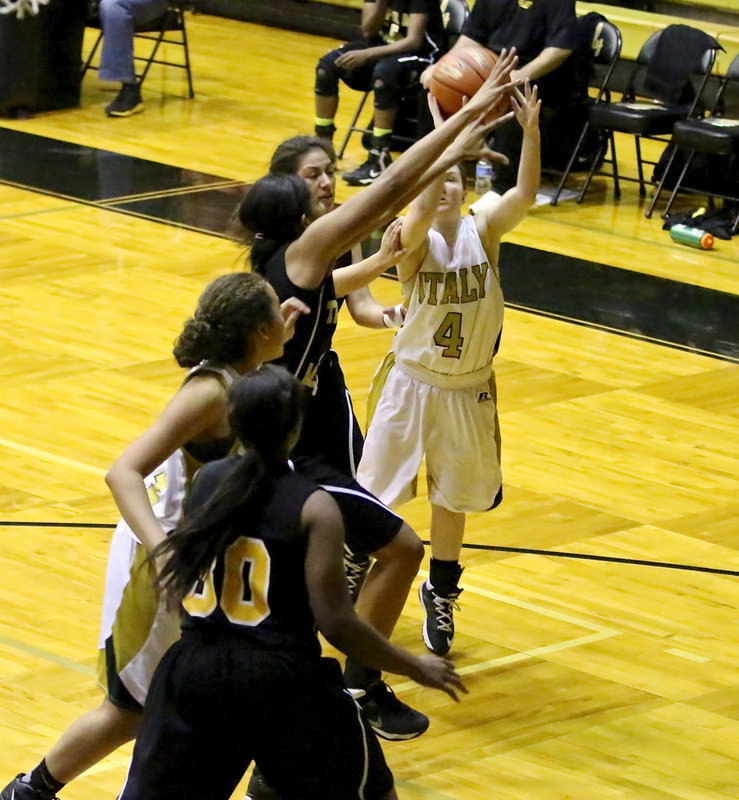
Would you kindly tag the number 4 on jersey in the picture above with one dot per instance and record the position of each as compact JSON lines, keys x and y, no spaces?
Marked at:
{"x":449,"y":335}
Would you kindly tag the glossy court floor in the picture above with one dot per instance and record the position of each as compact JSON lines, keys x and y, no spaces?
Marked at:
{"x":596,"y":630}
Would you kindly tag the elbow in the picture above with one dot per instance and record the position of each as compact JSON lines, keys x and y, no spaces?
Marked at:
{"x":414,"y":43}
{"x":528,"y":198}
{"x":111,"y":477}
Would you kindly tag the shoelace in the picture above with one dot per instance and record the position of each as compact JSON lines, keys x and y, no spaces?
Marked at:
{"x":355,"y":569}
{"x":444,"y":607}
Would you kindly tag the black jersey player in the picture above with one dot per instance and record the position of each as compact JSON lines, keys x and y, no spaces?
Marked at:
{"x":257,"y":562}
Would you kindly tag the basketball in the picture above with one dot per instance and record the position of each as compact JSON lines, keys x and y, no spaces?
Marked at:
{"x":459,"y":75}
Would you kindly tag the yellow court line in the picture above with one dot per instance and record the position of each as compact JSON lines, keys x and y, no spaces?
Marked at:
{"x":46,"y":655}
{"x":44,"y":455}
{"x":536,"y":609}
{"x":525,"y":655}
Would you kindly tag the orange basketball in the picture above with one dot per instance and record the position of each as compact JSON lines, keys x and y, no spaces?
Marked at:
{"x":459,"y":75}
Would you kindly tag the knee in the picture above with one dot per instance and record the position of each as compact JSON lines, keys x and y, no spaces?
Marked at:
{"x":386,"y":87}
{"x":327,"y":79}
{"x":110,"y":10}
{"x":404,"y":551}
{"x":121,"y":722}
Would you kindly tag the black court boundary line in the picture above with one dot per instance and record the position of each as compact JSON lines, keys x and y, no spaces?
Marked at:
{"x":594,"y":326}
{"x":637,"y":562}
{"x":115,"y":205}
{"x":641,"y":337}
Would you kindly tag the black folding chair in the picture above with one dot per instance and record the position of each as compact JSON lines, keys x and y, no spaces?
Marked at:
{"x":170,"y":28}
{"x":715,"y":135}
{"x":657,"y":96}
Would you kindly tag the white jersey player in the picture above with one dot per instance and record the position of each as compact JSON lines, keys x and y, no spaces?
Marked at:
{"x":439,"y":397}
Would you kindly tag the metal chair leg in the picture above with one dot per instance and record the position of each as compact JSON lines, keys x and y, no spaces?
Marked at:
{"x":614,"y":164}
{"x":640,"y":167}
{"x":662,"y":180}
{"x":92,"y":53}
{"x":568,"y":168}
{"x":191,"y":91}
{"x":678,"y":182}
{"x":352,"y":125}
{"x":602,"y":152}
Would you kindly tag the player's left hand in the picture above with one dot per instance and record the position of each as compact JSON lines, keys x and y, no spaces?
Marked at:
{"x":351,"y":60}
{"x":526,"y":106}
{"x":291,"y":309}
{"x":391,"y":250}
{"x":436,"y":114}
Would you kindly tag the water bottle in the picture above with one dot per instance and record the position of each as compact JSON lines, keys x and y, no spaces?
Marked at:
{"x":483,"y":176}
{"x":693,"y":237}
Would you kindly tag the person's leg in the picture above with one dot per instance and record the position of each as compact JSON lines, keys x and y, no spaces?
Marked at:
{"x":390,"y":78}
{"x":90,"y":738}
{"x":380,"y":602}
{"x":386,"y":588}
{"x":327,"y":86}
{"x":386,"y":79}
{"x":440,"y":592}
{"x":463,"y":475}
{"x":315,"y":743}
{"x":87,"y":741}
{"x":118,"y":19}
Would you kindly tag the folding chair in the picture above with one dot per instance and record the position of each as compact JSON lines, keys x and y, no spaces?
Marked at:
{"x":717,"y":134}
{"x":453,"y":15}
{"x":156,"y":31}
{"x":660,"y":92}
{"x":606,"y":48}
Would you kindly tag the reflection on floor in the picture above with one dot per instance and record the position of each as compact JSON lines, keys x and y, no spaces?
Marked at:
{"x":679,"y":314}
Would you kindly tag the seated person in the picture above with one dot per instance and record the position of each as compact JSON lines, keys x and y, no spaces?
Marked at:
{"x":400,"y":38}
{"x":544,"y":33}
{"x":118,"y":19}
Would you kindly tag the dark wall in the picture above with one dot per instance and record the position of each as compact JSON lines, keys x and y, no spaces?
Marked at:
{"x":322,"y":19}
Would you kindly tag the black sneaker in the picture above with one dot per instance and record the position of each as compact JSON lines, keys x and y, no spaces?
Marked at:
{"x":19,"y":790}
{"x":370,"y":171}
{"x":438,"y":628}
{"x":389,"y":717}
{"x":258,"y":788}
{"x":356,"y":569}
{"x":127,"y":102}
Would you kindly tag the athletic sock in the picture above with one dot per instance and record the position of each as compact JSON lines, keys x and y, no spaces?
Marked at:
{"x":43,"y":781}
{"x":357,"y":676}
{"x":444,"y":577}
{"x":325,"y":128}
{"x":381,"y":139}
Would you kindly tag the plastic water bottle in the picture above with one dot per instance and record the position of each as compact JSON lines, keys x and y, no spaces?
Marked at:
{"x":693,"y":237}
{"x":483,"y":176}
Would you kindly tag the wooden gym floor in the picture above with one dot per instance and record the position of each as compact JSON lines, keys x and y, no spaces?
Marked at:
{"x":597,"y":631}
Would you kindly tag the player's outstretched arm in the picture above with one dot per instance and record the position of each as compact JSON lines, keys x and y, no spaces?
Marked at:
{"x":328,"y":594}
{"x":496,"y":219}
{"x":313,"y":254}
{"x":358,"y":275}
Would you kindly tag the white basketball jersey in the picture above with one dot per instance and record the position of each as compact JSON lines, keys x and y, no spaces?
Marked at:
{"x":455,"y":313}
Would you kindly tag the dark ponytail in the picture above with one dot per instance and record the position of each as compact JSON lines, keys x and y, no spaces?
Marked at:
{"x":265,"y":411}
{"x":273,"y":213}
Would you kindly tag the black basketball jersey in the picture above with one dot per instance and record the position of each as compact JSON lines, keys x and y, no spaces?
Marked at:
{"x":257,"y":588}
{"x":314,"y":331}
{"x":397,"y":19}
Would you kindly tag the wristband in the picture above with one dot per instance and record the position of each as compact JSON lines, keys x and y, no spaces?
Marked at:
{"x":393,"y":317}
